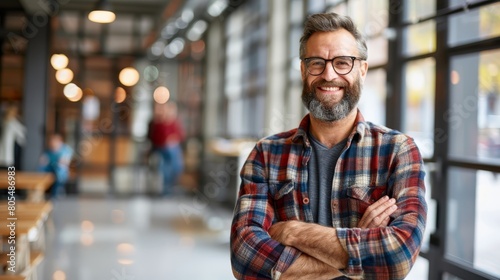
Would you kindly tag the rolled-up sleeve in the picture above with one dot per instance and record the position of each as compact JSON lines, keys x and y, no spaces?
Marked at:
{"x":390,"y":252}
{"x":254,"y":255}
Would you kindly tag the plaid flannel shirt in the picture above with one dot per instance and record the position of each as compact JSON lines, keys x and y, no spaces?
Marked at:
{"x":376,"y":161}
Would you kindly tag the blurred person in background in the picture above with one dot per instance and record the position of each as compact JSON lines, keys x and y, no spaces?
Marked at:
{"x":338,"y":197}
{"x":56,"y":159}
{"x":166,"y":135}
{"x":12,"y":132}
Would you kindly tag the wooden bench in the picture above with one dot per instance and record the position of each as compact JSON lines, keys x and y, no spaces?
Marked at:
{"x":36,"y":258}
{"x":34,"y":183}
{"x":30,"y":219}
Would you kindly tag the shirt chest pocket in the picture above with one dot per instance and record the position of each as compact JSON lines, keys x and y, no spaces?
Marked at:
{"x":360,"y":197}
{"x":285,"y":200}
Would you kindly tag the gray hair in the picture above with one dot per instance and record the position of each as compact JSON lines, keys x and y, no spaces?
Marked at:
{"x":331,"y":22}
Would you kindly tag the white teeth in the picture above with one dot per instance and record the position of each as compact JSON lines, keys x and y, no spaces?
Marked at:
{"x":330,"y":88}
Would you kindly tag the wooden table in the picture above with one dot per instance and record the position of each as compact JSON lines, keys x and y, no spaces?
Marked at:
{"x":34,"y":183}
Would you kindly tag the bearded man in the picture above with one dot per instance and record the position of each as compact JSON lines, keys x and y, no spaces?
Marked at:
{"x":338,"y":197}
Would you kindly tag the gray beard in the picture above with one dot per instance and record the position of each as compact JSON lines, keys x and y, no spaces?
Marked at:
{"x":321,"y":110}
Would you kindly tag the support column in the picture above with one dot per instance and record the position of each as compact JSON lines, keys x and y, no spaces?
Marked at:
{"x":35,"y":95}
{"x":277,"y":68}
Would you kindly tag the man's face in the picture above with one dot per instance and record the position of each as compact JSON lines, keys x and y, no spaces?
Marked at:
{"x":330,"y":96}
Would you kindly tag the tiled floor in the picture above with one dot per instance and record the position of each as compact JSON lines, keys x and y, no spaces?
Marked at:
{"x":137,"y":238}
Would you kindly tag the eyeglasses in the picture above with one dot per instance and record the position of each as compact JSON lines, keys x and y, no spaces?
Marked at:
{"x":341,"y":64}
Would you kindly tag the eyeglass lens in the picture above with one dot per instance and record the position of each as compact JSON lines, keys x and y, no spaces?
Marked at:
{"x":341,"y":65}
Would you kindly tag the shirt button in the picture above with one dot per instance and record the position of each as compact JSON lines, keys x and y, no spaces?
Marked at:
{"x":305,"y":200}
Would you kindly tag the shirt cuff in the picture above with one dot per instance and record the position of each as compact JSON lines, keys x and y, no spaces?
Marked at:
{"x":349,"y":239}
{"x":288,"y":256}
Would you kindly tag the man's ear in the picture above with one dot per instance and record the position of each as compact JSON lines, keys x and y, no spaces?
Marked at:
{"x":363,"y":69}
{"x":303,"y":70}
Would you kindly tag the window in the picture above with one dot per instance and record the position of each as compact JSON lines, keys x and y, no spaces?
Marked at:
{"x":478,"y":24}
{"x":474,"y":113}
{"x":417,"y":9}
{"x":372,"y":102}
{"x":420,"y":38}
{"x":371,"y":18}
{"x":418,"y":116}
{"x":246,"y":64}
{"x":473,"y":221}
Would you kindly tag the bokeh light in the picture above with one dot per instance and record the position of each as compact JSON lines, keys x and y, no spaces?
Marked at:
{"x":161,"y":95}
{"x":59,"y":61}
{"x":129,"y":76}
{"x":64,"y":76}
{"x":120,"y":95}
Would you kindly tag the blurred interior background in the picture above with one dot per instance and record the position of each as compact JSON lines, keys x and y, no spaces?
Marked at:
{"x":232,"y":66}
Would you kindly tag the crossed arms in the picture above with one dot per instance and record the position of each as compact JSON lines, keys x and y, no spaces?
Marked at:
{"x":322,"y":253}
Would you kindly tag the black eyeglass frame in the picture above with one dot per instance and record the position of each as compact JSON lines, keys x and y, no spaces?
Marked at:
{"x":353,"y":58}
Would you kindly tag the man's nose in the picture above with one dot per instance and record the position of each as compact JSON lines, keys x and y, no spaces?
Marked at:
{"x":329,"y":73}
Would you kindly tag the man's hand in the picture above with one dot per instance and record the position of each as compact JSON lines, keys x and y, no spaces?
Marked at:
{"x":378,"y":214}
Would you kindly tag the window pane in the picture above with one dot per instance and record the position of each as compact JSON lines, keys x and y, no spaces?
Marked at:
{"x":419,"y":90}
{"x":415,"y":9}
{"x":372,"y":103}
{"x":473,"y":220}
{"x":371,"y":16}
{"x":420,"y":38}
{"x":377,"y":51}
{"x":474,"y":113}
{"x":474,"y":25}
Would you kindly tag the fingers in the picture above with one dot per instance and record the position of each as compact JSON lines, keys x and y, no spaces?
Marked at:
{"x":378,"y":214}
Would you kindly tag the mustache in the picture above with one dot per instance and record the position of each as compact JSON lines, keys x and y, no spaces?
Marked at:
{"x":324,"y":83}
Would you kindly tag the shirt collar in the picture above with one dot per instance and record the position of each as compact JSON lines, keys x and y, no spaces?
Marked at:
{"x":301,"y":133}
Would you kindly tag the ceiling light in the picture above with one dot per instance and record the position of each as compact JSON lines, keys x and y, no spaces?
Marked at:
{"x":64,"y":76}
{"x":74,"y":94}
{"x":59,"y":61}
{"x":129,"y":76}
{"x":174,"y":48}
{"x":217,"y":7}
{"x":198,"y":28}
{"x":161,"y":95}
{"x":102,"y":13}
{"x":157,"y":48}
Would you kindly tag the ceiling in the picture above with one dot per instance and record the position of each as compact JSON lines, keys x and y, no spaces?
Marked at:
{"x":98,"y":51}
{"x":131,"y":33}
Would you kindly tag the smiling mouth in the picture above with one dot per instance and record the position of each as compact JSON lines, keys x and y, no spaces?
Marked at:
{"x":330,"y":88}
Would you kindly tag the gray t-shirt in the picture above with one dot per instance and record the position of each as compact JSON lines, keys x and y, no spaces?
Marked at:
{"x":321,"y":169}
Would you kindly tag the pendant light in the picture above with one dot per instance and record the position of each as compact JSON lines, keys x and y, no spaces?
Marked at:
{"x":102,"y":13}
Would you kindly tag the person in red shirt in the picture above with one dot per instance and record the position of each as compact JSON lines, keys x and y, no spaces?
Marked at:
{"x":166,"y":134}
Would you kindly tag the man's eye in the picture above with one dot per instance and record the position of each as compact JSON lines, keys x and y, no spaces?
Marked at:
{"x":317,"y":63}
